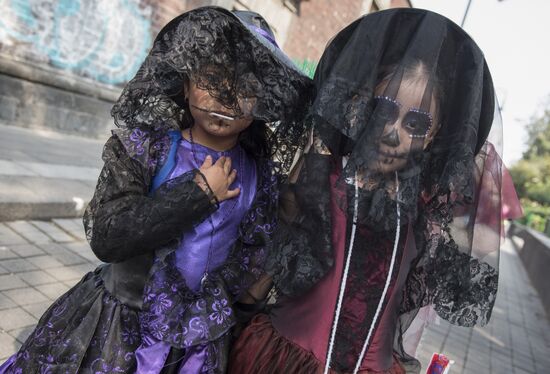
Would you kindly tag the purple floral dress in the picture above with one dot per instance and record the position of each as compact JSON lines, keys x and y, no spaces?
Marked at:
{"x":203,"y":249}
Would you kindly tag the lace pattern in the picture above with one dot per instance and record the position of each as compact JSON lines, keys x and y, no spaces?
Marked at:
{"x":211,"y":46}
{"x":87,"y":317}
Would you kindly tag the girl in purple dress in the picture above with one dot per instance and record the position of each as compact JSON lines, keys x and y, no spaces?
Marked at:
{"x":184,"y":206}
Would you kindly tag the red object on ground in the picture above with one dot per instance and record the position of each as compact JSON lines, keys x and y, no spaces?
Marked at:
{"x":439,"y":364}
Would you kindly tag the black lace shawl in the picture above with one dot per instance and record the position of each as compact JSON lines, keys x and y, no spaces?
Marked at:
{"x":122,"y":221}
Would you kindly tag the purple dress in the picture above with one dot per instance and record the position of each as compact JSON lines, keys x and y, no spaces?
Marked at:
{"x":204,"y":248}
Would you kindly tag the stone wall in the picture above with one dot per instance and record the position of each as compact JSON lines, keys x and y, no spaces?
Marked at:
{"x":63,"y":63}
{"x":318,"y":22}
{"x":102,"y":41}
{"x":534,"y":251}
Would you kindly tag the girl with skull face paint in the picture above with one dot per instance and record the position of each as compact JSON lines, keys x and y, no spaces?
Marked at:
{"x":384,"y":212}
{"x":185,"y":205}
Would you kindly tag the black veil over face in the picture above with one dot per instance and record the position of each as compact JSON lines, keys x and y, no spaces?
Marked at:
{"x":214,"y":49}
{"x":363,"y":75}
{"x":404,"y":108}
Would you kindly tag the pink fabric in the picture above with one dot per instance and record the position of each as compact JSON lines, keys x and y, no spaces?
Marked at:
{"x":497,"y":191}
{"x":411,"y":338}
{"x":511,"y":207}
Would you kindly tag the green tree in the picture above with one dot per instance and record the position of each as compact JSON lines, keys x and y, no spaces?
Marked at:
{"x":531,"y":174}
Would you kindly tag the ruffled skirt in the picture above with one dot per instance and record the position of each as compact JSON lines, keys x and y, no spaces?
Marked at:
{"x":87,"y":330}
{"x":261,"y":349}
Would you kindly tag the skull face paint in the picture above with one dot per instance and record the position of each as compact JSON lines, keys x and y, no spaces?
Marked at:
{"x":405,"y":128}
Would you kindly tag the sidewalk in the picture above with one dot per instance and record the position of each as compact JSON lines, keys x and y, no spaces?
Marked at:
{"x":45,"y":174}
{"x":516,"y":340}
{"x":40,"y":260}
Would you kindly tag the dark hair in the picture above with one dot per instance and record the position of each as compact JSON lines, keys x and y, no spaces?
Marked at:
{"x":255,"y":139}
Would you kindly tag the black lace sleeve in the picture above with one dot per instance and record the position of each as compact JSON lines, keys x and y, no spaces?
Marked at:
{"x":123,"y":221}
{"x":302,"y":249}
{"x":461,"y":288}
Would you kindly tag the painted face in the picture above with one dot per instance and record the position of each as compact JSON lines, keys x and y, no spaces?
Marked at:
{"x":406,"y":126}
{"x":213,"y":117}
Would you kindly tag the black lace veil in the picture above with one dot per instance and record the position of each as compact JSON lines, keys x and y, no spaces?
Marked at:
{"x":389,"y":51}
{"x":211,"y":46}
{"x":404,"y":108}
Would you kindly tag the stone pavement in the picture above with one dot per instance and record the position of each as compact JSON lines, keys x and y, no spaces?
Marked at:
{"x":45,"y":174}
{"x":516,"y":340}
{"x":40,"y":260}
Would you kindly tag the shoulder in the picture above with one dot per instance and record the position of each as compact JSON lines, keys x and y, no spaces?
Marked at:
{"x":149,"y":148}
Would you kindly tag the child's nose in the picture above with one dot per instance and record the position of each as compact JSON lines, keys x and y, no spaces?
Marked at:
{"x":391,"y":138}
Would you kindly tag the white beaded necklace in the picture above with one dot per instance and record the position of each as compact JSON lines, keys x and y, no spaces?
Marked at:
{"x":345,"y":277}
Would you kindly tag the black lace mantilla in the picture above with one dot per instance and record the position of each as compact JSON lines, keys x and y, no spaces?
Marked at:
{"x":461,"y":288}
{"x":211,"y":46}
{"x":303,"y":252}
{"x":122,"y":220}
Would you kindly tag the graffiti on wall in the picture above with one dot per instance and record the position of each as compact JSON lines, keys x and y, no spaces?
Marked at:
{"x":105,"y":40}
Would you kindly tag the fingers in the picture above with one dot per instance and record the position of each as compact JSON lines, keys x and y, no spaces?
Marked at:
{"x":232,"y":193}
{"x":227,"y":166}
{"x":231,"y":177}
{"x":207,"y":162}
{"x":221,"y":161}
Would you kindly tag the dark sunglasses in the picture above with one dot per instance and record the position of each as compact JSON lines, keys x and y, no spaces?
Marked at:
{"x":416,"y":122}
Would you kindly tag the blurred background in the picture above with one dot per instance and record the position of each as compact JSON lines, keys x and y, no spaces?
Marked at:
{"x":63,"y":63}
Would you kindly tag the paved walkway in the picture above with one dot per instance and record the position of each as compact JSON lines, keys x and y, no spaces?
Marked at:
{"x":40,"y":260}
{"x":516,"y":340}
{"x":45,"y":174}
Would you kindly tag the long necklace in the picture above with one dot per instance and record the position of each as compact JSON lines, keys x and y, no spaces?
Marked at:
{"x":230,"y":210}
{"x":345,"y":276}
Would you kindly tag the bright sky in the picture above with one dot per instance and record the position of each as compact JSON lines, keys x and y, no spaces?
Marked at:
{"x":515,"y":38}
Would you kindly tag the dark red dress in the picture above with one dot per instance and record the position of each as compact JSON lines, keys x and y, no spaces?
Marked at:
{"x":294,"y":337}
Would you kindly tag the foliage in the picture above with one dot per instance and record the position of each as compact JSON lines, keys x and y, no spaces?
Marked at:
{"x":532,"y":179}
{"x":531,"y":174}
{"x":539,"y":136}
{"x":535,"y":215}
